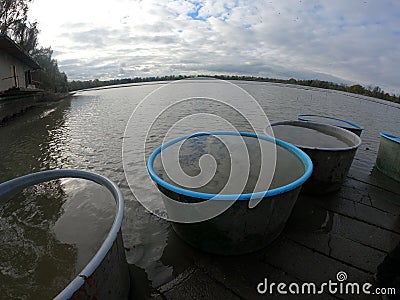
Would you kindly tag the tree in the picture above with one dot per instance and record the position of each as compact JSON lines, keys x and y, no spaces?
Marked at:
{"x":26,"y":36}
{"x":356,"y":89}
{"x":13,"y":13}
{"x":14,"y":23}
{"x":51,"y":78}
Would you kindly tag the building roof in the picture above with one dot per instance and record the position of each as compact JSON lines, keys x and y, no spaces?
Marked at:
{"x":13,"y":49}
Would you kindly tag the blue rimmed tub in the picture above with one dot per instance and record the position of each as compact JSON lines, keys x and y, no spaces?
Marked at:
{"x":239,"y":228}
{"x":351,"y":126}
{"x":106,"y":276}
{"x":388,"y":159}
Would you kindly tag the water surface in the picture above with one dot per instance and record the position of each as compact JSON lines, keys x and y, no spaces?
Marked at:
{"x":310,"y":137}
{"x":48,"y":234}
{"x":235,"y":165}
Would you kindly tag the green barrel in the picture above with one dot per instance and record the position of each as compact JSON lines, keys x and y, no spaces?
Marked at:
{"x":388,"y":160}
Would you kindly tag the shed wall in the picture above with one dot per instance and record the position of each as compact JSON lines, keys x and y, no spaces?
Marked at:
{"x":6,"y":80}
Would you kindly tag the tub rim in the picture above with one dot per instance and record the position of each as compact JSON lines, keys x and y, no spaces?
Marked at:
{"x":391,"y":137}
{"x":288,"y":122}
{"x":304,"y":158}
{"x":14,"y":185}
{"x":301,"y":117}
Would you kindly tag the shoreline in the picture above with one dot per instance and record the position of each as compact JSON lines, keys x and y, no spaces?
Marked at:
{"x":14,"y":106}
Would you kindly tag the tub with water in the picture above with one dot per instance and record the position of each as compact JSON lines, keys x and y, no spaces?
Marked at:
{"x":331,"y":149}
{"x":47,"y":237}
{"x":244,"y":203}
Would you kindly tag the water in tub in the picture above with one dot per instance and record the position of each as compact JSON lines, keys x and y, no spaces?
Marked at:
{"x":48,"y":233}
{"x":310,"y":137}
{"x":226,"y":162}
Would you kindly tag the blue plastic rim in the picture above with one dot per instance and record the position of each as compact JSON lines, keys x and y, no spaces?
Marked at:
{"x":305,"y":159}
{"x":391,"y":137}
{"x":302,"y":117}
{"x":10,"y":187}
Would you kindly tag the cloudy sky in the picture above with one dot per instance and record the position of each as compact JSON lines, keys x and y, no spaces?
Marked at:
{"x":342,"y":40}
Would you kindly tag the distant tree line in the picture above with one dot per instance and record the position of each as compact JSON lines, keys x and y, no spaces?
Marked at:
{"x":370,"y":91}
{"x":375,"y":92}
{"x":14,"y":23}
{"x":87,"y":84}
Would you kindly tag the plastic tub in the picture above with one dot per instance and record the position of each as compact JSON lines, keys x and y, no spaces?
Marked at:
{"x":331,"y":162}
{"x":239,"y":229}
{"x":388,"y":159}
{"x":353,"y":127}
{"x":106,"y":276}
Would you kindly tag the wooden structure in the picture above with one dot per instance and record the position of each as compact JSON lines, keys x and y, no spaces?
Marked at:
{"x":16,"y":67}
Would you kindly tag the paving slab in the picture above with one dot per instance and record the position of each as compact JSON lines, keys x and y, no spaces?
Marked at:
{"x":363,"y":213}
{"x":312,"y":267}
{"x":198,"y":286}
{"x":347,"y":251}
{"x":366,"y":234}
{"x":374,"y":196}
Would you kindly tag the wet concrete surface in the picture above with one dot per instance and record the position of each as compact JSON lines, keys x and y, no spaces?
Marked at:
{"x":351,"y":230}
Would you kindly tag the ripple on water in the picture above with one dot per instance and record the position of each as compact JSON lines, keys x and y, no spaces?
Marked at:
{"x":43,"y":246}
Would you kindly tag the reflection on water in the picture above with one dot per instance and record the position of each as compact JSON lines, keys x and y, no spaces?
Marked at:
{"x":87,"y":131}
{"x":228,"y":164}
{"x":48,"y":233}
{"x":87,"y":217}
{"x":31,"y":257}
{"x":310,"y":137}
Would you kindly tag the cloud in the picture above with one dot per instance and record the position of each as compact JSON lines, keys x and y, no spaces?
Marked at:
{"x":348,"y":41}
